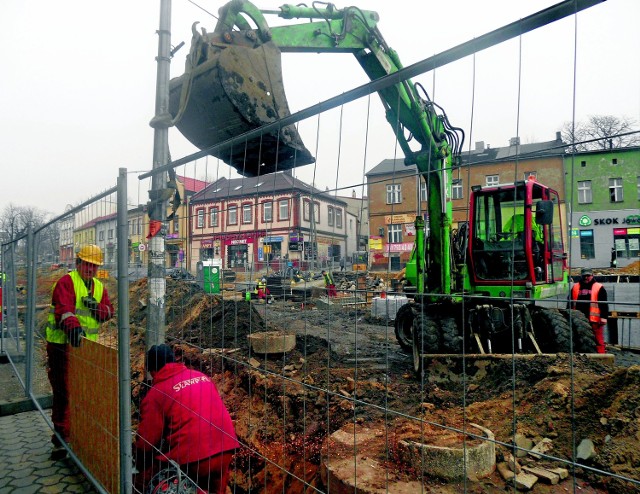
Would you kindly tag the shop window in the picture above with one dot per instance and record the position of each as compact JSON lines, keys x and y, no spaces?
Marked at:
{"x":627,"y":242}
{"x":587,"y":246}
{"x":584,"y":192}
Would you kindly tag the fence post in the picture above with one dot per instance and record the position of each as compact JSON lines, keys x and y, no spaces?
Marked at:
{"x":124,"y":361}
{"x":30,"y":315}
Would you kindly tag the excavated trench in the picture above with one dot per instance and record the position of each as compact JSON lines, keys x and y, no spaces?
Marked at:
{"x":347,"y":371}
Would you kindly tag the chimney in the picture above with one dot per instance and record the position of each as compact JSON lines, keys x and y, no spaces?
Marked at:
{"x":353,"y":193}
{"x":479,"y":145}
{"x":558,"y":136}
{"x":514,"y":141}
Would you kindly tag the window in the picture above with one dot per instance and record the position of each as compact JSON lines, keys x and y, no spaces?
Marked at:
{"x":456,"y":189}
{"x":200,"y":218}
{"x":587,"y":247}
{"x":492,"y":180}
{"x":316,"y":212}
{"x":584,"y":192}
{"x":139,"y":226}
{"x":394,"y":194}
{"x":330,"y":215}
{"x":129,"y":228}
{"x":530,"y":174}
{"x":267,"y":212}
{"x":395,"y":234}
{"x":283,"y":209}
{"x":626,"y":242}
{"x":583,"y":164}
{"x":423,"y":190}
{"x":615,"y":190}
{"x":614,"y":161}
{"x":110,"y":232}
{"x":176,"y":223}
{"x":213,"y":217}
{"x":232,"y":215}
{"x":246,"y":213}
{"x":338,"y":218}
{"x":306,"y":210}
{"x":101,"y":236}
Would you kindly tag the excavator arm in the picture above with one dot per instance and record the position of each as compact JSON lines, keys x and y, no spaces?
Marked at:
{"x":238,"y":68}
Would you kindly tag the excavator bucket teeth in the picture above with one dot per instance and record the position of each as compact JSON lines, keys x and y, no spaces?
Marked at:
{"x":238,"y":89}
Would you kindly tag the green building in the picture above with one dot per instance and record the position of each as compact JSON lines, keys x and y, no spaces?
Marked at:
{"x":603,"y":205}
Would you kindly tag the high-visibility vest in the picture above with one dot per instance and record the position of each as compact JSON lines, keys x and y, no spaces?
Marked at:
{"x":328,"y":279}
{"x":89,"y":324}
{"x":594,"y":308}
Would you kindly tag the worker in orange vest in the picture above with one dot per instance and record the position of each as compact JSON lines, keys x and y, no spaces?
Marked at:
{"x":590,"y":298}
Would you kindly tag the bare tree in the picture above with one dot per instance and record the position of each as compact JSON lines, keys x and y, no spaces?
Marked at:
{"x":15,"y":220}
{"x":601,"y":132}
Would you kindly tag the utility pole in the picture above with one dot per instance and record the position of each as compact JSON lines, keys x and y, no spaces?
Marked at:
{"x":157,"y":206}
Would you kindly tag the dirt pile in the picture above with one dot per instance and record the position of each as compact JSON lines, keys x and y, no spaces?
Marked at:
{"x":347,"y":368}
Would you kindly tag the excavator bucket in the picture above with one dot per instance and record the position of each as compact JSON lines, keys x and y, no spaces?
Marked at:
{"x":234,"y":90}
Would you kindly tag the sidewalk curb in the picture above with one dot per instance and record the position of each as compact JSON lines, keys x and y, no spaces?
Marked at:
{"x":19,"y":405}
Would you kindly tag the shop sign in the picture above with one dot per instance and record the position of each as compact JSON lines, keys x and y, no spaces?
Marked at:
{"x":173,"y":235}
{"x":269,"y":240}
{"x":375,"y":243}
{"x":206,"y":244}
{"x":295,"y":246}
{"x":296,"y":237}
{"x":633,"y":219}
{"x":584,"y":220}
{"x":238,"y":241}
{"x":396,"y":219}
{"x":575,"y":233}
{"x":619,"y":231}
{"x":402,"y":247}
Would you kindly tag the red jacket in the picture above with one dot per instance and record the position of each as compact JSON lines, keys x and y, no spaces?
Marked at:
{"x":183,"y":407}
{"x":64,"y":300}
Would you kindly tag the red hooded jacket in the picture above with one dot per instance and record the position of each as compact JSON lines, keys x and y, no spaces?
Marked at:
{"x":183,"y":407}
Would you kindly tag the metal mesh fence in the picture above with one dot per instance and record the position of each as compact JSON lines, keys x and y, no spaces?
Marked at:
{"x":301,"y":357}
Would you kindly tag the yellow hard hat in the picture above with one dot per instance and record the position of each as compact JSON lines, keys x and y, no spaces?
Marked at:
{"x":92,"y":254}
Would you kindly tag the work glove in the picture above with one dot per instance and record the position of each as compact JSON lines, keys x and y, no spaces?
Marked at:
{"x":90,"y":303}
{"x":75,"y":336}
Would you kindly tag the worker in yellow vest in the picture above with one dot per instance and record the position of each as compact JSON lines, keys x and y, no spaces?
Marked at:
{"x":79,"y":304}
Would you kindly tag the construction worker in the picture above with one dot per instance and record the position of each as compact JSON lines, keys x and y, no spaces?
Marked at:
{"x":79,"y":304}
{"x":262,"y":290}
{"x":183,"y":419}
{"x":590,"y":298}
{"x":329,"y":284}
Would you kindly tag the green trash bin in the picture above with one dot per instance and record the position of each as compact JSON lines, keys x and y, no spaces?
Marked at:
{"x":211,"y":275}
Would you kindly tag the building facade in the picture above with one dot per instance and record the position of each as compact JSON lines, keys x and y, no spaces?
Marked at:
{"x":397,"y":194}
{"x":252,"y":223}
{"x":603,"y":188}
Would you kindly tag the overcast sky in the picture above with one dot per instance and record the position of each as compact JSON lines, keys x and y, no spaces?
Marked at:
{"x":77,"y":88}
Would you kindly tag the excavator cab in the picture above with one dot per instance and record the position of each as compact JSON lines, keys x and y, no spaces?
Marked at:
{"x":516,"y":235}
{"x":232,"y":84}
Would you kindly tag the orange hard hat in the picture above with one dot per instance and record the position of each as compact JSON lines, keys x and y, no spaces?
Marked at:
{"x":92,"y":254}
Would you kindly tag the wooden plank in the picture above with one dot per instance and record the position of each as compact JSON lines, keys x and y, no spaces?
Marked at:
{"x":93,"y":411}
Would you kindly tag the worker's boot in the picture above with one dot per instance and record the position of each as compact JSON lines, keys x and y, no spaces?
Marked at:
{"x":58,"y":452}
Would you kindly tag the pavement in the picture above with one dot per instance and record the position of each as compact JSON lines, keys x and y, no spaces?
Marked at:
{"x":25,"y":444}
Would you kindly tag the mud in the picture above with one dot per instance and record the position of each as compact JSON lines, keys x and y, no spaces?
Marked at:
{"x":348,"y":369}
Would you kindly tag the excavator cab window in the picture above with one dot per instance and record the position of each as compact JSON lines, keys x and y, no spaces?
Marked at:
{"x":500,"y":233}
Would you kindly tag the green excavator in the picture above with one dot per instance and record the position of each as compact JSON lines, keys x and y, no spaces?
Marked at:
{"x":475,"y":288}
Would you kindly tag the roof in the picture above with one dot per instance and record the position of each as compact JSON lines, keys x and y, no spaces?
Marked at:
{"x":271,"y":184}
{"x":388,"y":166}
{"x":521,"y":151}
{"x":192,"y":184}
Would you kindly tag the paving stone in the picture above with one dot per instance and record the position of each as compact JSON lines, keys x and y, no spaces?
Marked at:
{"x":31,"y":489}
